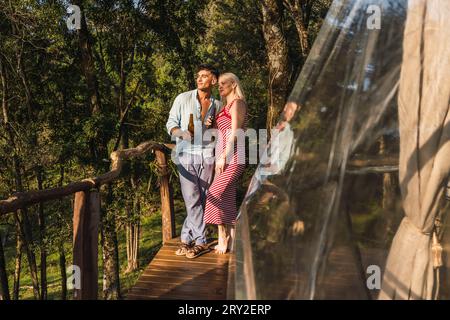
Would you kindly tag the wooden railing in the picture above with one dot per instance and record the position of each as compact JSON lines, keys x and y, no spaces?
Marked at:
{"x":86,"y":215}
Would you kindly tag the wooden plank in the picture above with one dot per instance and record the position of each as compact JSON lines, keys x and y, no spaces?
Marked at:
{"x":176,"y":273}
{"x":193,"y":262}
{"x":211,"y":254}
{"x":188,"y":286}
{"x":206,"y":257}
{"x":173,"y":296}
{"x":189,"y":268}
{"x":178,"y":279}
{"x":203,"y":282}
{"x":188,"y":291}
{"x":174,"y":265}
{"x":175,"y":242}
{"x":139,"y":296}
{"x":186,"y":261}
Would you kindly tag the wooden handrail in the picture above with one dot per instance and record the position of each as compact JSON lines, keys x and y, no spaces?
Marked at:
{"x":23,"y":199}
{"x":86,"y":214}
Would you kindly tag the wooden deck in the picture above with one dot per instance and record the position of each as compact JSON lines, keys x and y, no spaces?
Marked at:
{"x":173,"y":277}
{"x":206,"y":278}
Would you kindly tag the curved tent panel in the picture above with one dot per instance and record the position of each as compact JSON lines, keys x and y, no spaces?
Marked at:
{"x":346,"y":198}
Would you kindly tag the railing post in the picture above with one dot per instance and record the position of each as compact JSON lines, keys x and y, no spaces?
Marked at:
{"x":86,"y":218}
{"x":167,"y":210}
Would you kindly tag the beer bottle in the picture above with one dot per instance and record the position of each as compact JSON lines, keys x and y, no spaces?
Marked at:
{"x":213,"y":120}
{"x":191,"y":125}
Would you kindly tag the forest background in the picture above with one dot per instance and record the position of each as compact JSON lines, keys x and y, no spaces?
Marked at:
{"x":71,"y":97}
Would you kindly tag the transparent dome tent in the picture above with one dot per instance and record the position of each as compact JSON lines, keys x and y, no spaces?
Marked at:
{"x":350,"y":200}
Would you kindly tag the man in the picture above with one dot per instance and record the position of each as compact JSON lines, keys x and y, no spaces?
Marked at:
{"x":194,"y":157}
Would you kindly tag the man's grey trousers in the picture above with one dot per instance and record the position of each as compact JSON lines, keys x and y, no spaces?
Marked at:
{"x":196,"y":174}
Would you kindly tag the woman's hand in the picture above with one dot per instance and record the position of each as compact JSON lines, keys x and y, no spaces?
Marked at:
{"x":220,"y":165}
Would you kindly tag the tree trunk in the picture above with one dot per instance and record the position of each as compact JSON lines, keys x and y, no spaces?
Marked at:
{"x":4,"y":288}
{"x":62,"y":269}
{"x":302,"y":31}
{"x":42,"y":245}
{"x":87,"y":62}
{"x":23,"y":223}
{"x":300,"y":12}
{"x":132,"y":246}
{"x":111,"y":280}
{"x":111,"y":284}
{"x":132,"y":232}
{"x":27,"y":240}
{"x":62,"y":254}
{"x":137,"y":232}
{"x":277,"y":56}
{"x":132,"y":226}
{"x":388,"y":200}
{"x":98,"y":144}
{"x":18,"y":263}
{"x":26,"y":235}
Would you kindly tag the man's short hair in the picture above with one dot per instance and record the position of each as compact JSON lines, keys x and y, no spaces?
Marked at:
{"x":210,"y":68}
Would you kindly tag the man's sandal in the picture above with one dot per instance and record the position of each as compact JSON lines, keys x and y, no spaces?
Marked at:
{"x":197,"y":250}
{"x":183,"y":249}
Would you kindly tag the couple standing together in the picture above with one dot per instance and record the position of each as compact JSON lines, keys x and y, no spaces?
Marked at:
{"x":209,"y":170}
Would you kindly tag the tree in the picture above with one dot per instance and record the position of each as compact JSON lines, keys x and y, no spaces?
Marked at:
{"x":300,"y":11}
{"x":277,"y":57}
{"x":4,"y":288}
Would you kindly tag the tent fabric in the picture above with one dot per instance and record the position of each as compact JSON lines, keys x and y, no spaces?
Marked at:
{"x":370,"y":107}
{"x":424,"y":164}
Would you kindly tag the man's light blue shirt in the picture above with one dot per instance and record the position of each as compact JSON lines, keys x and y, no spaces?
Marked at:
{"x":185,"y":104}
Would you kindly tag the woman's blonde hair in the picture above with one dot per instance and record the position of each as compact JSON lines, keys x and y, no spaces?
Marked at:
{"x":237,"y":90}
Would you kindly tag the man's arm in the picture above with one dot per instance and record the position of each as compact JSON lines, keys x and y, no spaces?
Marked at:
{"x":174,"y":121}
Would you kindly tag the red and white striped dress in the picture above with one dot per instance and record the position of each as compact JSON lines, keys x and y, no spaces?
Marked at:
{"x":221,"y":197}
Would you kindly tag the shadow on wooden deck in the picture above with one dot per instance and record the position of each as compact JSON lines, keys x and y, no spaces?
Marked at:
{"x":173,"y":277}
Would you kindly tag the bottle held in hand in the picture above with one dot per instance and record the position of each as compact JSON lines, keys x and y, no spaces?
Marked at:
{"x":191,"y":126}
{"x":212,"y":122}
{"x":213,"y":118}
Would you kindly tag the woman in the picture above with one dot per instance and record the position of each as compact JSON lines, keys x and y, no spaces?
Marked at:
{"x":231,"y":123}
